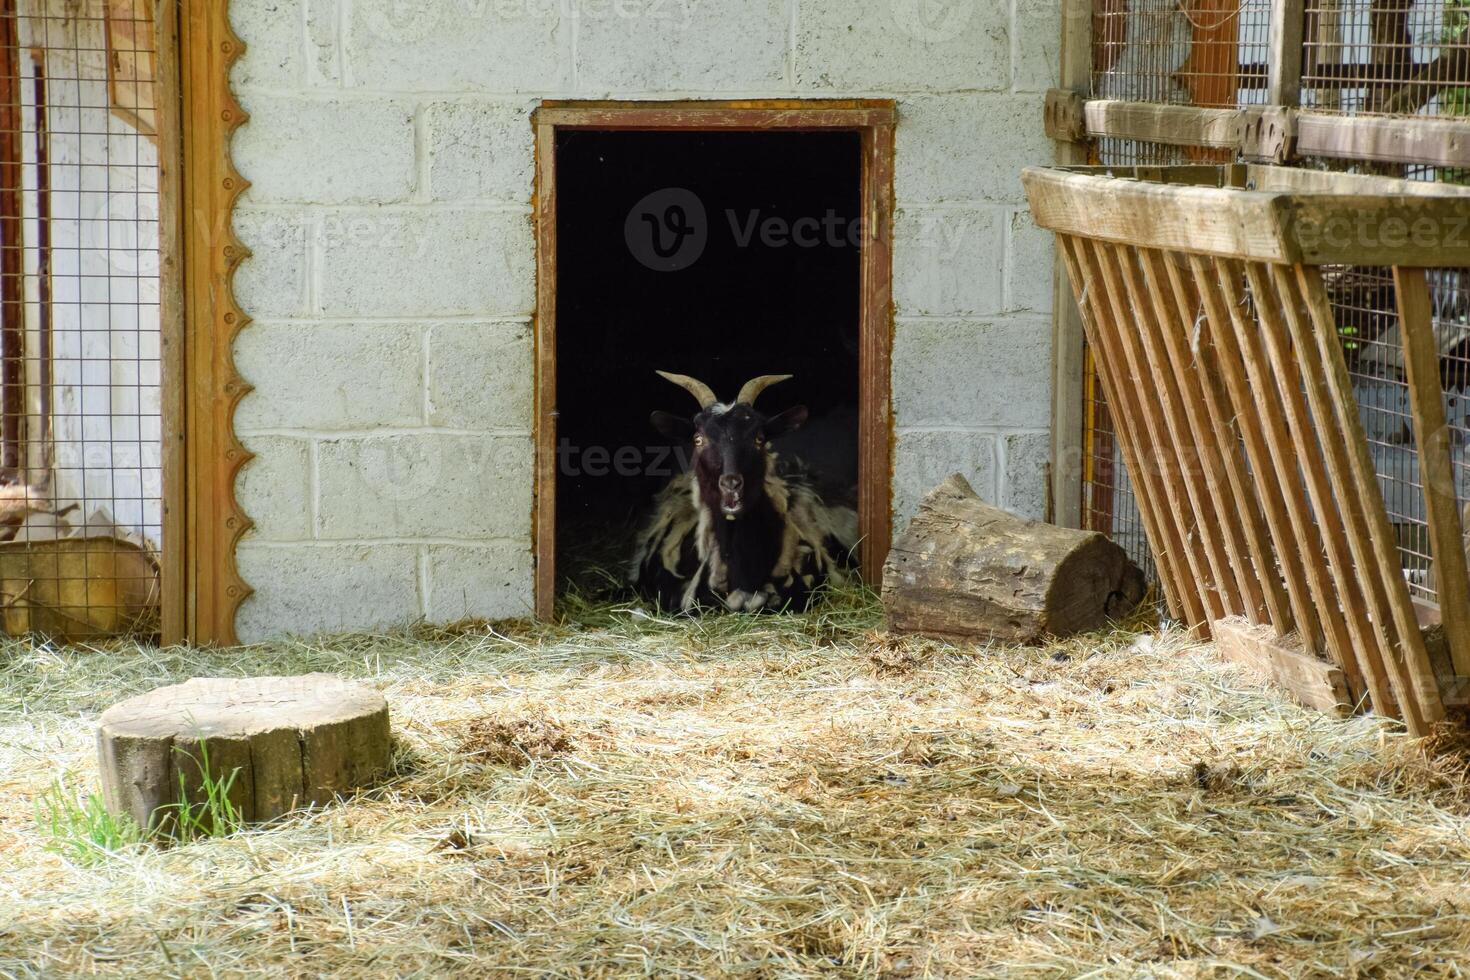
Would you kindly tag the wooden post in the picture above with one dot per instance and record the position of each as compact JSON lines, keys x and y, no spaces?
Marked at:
{"x":1067,"y":420}
{"x":1436,"y":464}
{"x":1284,"y":67}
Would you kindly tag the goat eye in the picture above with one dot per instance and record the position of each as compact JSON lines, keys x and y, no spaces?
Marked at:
{"x":699,"y":440}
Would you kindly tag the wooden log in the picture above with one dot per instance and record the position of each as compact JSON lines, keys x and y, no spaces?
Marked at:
{"x":966,"y":569}
{"x":1283,"y":661}
{"x":287,"y":742}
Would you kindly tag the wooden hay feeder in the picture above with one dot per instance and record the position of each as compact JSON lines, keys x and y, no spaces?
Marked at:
{"x":1202,"y":296}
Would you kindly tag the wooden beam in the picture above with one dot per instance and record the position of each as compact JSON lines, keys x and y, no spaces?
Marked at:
{"x":1426,"y":140}
{"x":1371,"y":228}
{"x":1284,"y":60}
{"x":1068,"y":456}
{"x":1176,"y":125}
{"x":1284,"y":662}
{"x":1436,"y":462}
{"x":174,"y":560}
{"x":211,"y":254}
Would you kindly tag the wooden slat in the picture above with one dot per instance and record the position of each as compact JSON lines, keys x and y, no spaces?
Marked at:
{"x":1266,"y":443}
{"x":1096,"y":319}
{"x":1436,"y":463}
{"x":1347,"y":613}
{"x":1313,"y":682}
{"x":1175,"y":321}
{"x":1199,"y":523}
{"x":1419,"y":701}
{"x":173,"y":577}
{"x":1158,"y":493}
{"x":732,"y":114}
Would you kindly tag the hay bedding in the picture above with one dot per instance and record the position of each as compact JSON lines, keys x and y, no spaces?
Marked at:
{"x":769,"y":796}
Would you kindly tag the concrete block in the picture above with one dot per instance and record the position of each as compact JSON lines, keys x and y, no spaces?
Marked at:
{"x":948,"y":261}
{"x":903,"y":46}
{"x":330,"y":376}
{"x":425,"y":486}
{"x":480,"y":151}
{"x":491,"y":581}
{"x":1030,"y":256}
{"x":993,"y":373}
{"x":922,"y":459}
{"x":288,"y":43}
{"x":682,"y":45}
{"x":426,"y":262}
{"x":1023,"y":479}
{"x":459,"y":45}
{"x":968,"y":148}
{"x":272,"y":282}
{"x":326,"y":151}
{"x":481,"y":375}
{"x":275,"y":488}
{"x":1036,"y":45}
{"x":307,"y":589}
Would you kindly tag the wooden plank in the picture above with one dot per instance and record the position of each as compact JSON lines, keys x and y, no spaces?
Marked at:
{"x":12,"y":256}
{"x":1312,"y":682}
{"x":1266,"y":441}
{"x":1096,"y":317}
{"x":1284,"y":58}
{"x":1365,"y":229}
{"x":1068,"y":456}
{"x":1175,"y":321}
{"x":875,"y":340}
{"x":212,"y":253}
{"x":1175,"y":125}
{"x":544,"y":514}
{"x":1436,"y":462}
{"x":1211,"y":71}
{"x":1199,"y":525}
{"x":1438,"y":141}
{"x":737,"y":114}
{"x":174,"y":566}
{"x":1346,"y":613}
{"x":1266,"y":177}
{"x":1158,"y":492}
{"x":1210,"y":220}
{"x":1357,"y":484}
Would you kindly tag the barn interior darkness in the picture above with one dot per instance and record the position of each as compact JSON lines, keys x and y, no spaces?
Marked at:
{"x":721,"y":255}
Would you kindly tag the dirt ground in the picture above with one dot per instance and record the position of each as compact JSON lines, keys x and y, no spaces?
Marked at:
{"x":766,"y":796}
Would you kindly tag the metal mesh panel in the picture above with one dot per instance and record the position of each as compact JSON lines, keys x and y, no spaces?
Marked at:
{"x":80,"y":357}
{"x":1108,"y":501}
{"x":1387,"y":58}
{"x":1198,"y":52}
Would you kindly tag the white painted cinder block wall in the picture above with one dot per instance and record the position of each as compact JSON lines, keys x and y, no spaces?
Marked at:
{"x":392,"y":283}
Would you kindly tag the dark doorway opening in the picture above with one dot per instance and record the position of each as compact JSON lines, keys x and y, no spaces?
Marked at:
{"x":722,"y":255}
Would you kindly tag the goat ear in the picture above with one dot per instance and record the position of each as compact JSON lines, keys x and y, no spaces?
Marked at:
{"x":671,"y":425}
{"x":788,"y":421}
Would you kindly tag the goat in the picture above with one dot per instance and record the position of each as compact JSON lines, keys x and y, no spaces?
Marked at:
{"x":743,"y":528}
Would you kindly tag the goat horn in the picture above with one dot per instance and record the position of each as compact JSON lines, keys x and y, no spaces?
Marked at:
{"x":755,"y":386}
{"x":698,"y":389}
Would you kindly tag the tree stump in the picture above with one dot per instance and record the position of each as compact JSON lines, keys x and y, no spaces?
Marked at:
{"x":964,"y":569}
{"x":290,"y":741}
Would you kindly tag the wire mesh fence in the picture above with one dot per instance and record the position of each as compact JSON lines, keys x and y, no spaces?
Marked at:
{"x":80,"y":355}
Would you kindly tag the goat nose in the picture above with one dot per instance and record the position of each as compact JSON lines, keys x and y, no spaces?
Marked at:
{"x":732,"y":484}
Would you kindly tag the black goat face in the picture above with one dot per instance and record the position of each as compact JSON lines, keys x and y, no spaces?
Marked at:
{"x":731,"y":447}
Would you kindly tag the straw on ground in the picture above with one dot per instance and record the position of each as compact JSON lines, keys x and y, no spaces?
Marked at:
{"x":772,"y":795}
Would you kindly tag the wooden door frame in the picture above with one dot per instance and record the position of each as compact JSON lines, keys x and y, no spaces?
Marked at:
{"x":874,"y":120}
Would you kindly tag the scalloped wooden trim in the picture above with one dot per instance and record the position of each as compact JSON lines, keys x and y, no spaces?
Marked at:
{"x":213,"y":519}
